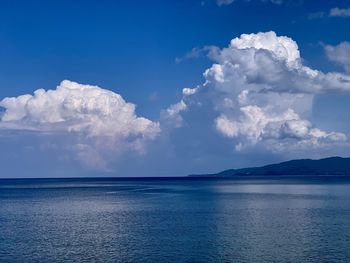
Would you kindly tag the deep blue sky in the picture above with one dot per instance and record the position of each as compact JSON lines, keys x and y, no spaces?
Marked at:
{"x":131,"y":46}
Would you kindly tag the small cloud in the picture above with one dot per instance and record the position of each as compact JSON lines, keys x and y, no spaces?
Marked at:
{"x":189,"y":91}
{"x":339,"y":12}
{"x":172,"y":115}
{"x":197,"y":52}
{"x":339,"y":54}
{"x":276,"y":2}
{"x":153,"y":96}
{"x":224,"y":2}
{"x":316,"y":15}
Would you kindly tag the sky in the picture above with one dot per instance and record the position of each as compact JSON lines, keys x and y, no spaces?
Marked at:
{"x":171,"y":88}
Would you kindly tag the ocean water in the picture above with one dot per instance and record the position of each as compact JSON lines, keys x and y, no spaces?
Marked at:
{"x":175,"y":220}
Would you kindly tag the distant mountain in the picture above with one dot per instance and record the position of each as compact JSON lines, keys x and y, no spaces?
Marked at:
{"x":302,"y":167}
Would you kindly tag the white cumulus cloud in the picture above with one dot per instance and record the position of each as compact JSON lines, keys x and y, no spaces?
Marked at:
{"x":267,"y":62}
{"x":261,"y":92}
{"x":99,"y":119}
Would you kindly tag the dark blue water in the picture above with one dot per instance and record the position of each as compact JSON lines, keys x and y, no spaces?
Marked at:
{"x":108,"y":220}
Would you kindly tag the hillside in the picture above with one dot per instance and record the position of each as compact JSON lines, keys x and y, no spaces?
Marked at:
{"x":302,"y":167}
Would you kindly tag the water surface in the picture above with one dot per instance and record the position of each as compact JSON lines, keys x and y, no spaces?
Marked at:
{"x":175,"y":220}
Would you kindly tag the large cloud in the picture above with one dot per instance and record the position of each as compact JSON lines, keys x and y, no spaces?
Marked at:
{"x":254,"y":106}
{"x":266,"y":62}
{"x":99,"y":119}
{"x":263,"y":94}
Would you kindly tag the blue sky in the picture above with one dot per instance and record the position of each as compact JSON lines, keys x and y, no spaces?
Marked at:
{"x":133,"y":48}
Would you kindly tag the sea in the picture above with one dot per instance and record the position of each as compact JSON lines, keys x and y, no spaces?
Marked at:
{"x":254,"y":219}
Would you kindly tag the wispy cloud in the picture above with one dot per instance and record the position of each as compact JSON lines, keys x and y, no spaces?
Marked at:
{"x":333,"y":12}
{"x":339,"y":12}
{"x":209,"y":51}
{"x":277,"y":2}
{"x":224,"y":2}
{"x":316,"y":15}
